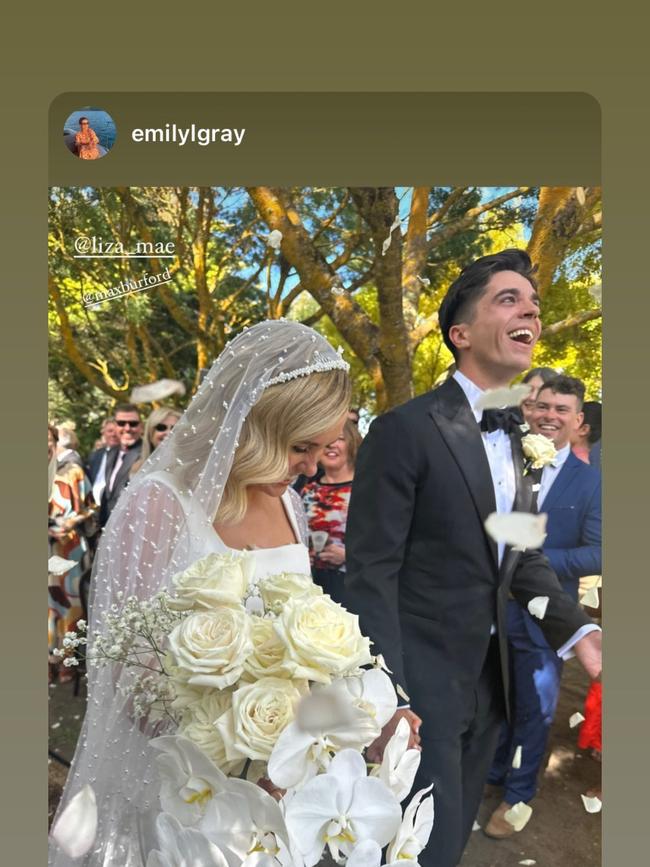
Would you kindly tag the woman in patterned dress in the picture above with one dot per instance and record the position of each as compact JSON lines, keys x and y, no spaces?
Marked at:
{"x":326,"y":502}
{"x":86,"y":141}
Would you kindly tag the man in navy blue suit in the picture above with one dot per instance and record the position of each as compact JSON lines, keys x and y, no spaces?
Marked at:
{"x":570,"y":495}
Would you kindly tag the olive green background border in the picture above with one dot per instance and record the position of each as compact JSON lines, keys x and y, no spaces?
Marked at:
{"x":338,"y":46}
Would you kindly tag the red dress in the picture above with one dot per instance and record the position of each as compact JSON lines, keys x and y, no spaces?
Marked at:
{"x":591,"y":734}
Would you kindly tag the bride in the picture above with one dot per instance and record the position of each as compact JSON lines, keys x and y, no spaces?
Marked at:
{"x":272,"y":401}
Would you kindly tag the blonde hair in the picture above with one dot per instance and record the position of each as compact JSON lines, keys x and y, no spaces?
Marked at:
{"x":156,"y":417}
{"x":286,"y":415}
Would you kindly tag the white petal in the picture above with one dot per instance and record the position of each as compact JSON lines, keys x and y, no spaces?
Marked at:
{"x":528,"y":862}
{"x":323,"y":710}
{"x":576,"y":719}
{"x":537,"y":606}
{"x":274,"y":239}
{"x":424,"y":280}
{"x":518,"y":815}
{"x":516,"y":759}
{"x":476,"y":826}
{"x":310,"y":811}
{"x":76,"y":827}
{"x":375,"y":811}
{"x":401,"y":693}
{"x":581,"y":198}
{"x":290,"y":764}
{"x":367,"y":853}
{"x":380,"y":662}
{"x":348,"y":766}
{"x":337,"y":290}
{"x":59,"y":566}
{"x":498,"y":398}
{"x":157,"y":391}
{"x":590,"y":599}
{"x":519,"y":529}
{"x":592,"y":805}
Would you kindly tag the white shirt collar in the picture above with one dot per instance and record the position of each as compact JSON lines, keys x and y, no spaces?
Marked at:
{"x":471,"y":391}
{"x":561,"y":456}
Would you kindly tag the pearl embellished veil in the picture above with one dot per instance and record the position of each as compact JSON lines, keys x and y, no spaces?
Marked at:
{"x":153,"y":533}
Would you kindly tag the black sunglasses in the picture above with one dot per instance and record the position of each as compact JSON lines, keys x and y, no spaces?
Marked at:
{"x":123,"y":423}
{"x":161,"y":427}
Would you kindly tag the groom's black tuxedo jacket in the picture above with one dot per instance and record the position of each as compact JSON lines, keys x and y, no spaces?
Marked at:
{"x":422,"y":573}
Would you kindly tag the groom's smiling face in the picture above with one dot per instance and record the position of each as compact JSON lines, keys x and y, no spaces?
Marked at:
{"x":501,"y":331}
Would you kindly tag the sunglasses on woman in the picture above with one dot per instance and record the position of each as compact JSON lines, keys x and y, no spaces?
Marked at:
{"x":162,"y":427}
{"x":123,"y":423}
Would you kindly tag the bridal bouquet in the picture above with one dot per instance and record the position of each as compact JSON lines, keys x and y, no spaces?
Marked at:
{"x":264,"y":687}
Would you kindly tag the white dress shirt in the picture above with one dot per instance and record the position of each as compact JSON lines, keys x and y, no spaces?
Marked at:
{"x":550,"y":474}
{"x":100,"y":479}
{"x":499,"y":454}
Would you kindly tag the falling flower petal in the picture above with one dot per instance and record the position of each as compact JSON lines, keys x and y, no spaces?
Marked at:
{"x":337,"y":290}
{"x":325,"y":710}
{"x":476,"y":826}
{"x":537,"y":606}
{"x":535,"y":488}
{"x":580,"y":195}
{"x":516,"y":759}
{"x":159,"y":390}
{"x":380,"y":662}
{"x":576,"y":719}
{"x":498,"y":398}
{"x":590,"y":599}
{"x":274,"y":239}
{"x":596,"y":292}
{"x":76,"y":827}
{"x":59,"y":566}
{"x":592,"y":805}
{"x":528,"y":862}
{"x":424,"y":280}
{"x":386,"y":244}
{"x":521,"y":530}
{"x":401,"y":693}
{"x":518,"y":815}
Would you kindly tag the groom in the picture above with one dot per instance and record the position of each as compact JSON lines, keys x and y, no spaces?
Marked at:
{"x":430,"y":586}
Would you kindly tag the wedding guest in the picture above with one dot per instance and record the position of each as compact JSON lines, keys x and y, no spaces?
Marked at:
{"x":86,"y":141}
{"x":586,"y":441}
{"x":431,"y":587}
{"x":536,"y":378}
{"x":326,"y":503}
{"x":569,"y":494}
{"x":121,"y":458}
{"x":158,"y":426}
{"x":70,"y":505}
{"x":96,"y":462}
{"x":353,"y":414}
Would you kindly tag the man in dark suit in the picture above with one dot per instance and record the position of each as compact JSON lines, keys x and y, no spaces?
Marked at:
{"x":121,"y":458}
{"x":430,"y":586}
{"x":96,"y":461}
{"x":570,"y":496}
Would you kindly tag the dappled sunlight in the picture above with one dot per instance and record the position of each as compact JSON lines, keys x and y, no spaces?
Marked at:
{"x":559,"y":761}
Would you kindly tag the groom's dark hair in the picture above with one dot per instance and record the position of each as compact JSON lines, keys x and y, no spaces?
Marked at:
{"x":460,"y":300}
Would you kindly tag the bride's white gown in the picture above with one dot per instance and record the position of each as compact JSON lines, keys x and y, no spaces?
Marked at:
{"x":124,"y":777}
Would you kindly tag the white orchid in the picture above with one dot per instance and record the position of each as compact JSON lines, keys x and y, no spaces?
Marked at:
{"x":399,"y":765}
{"x":413,"y":834}
{"x":306,"y":747}
{"x":183,"y":847}
{"x":189,"y":780}
{"x":368,"y":854}
{"x":340,"y":809}
{"x":244,"y":821}
{"x":76,"y":827}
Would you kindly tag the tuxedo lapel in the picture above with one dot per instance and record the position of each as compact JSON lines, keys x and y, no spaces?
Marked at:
{"x":524,"y":499}
{"x":458,"y":427}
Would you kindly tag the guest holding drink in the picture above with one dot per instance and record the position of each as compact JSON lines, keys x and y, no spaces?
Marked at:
{"x":326,"y":503}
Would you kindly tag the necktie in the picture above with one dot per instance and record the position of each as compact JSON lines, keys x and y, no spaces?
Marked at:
{"x":506,"y":420}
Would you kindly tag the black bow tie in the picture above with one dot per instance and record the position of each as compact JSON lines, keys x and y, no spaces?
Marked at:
{"x":507,"y":420}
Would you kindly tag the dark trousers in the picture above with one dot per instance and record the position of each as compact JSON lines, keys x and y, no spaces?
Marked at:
{"x":458,"y":766}
{"x":535,"y":674}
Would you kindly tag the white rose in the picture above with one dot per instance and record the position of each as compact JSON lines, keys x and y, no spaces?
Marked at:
{"x":260,"y":712}
{"x":210,"y":647}
{"x":199,"y":727}
{"x":268,"y":656}
{"x":539,"y":449}
{"x":276,"y":589}
{"x":322,"y":638}
{"x":215,"y":580}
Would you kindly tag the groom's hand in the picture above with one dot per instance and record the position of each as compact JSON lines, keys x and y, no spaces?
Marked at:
{"x":375,"y":752}
{"x":589,"y":652}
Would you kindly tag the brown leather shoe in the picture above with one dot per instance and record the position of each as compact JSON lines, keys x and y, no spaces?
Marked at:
{"x":498,"y":827}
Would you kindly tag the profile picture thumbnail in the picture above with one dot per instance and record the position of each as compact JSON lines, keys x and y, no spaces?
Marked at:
{"x":89,"y":133}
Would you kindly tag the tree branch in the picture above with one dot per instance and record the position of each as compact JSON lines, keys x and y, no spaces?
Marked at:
{"x":571,"y":321}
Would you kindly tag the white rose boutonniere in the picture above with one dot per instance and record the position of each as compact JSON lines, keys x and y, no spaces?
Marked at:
{"x":539,"y":451}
